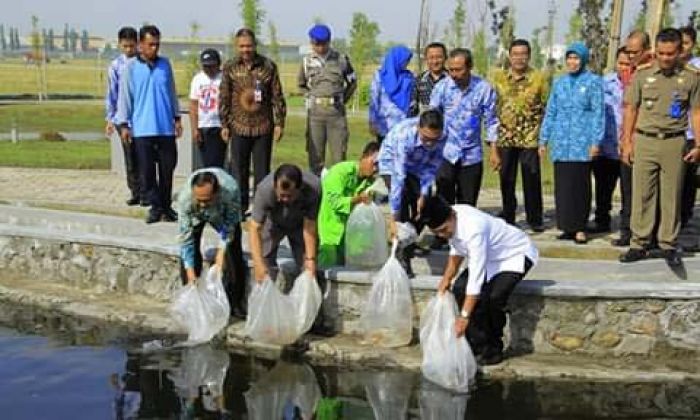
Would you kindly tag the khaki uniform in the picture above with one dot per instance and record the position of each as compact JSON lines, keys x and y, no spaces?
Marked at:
{"x":663,"y":102}
{"x":327,"y":82}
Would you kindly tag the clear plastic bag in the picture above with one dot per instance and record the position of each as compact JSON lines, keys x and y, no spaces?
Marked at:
{"x":365,"y":237}
{"x":437,"y":403}
{"x":201,"y":366}
{"x":270,"y":315}
{"x":202,"y":309}
{"x":448,"y":361}
{"x":387,"y":319}
{"x":286,"y":389}
{"x":307,"y":298}
{"x":389,"y":393}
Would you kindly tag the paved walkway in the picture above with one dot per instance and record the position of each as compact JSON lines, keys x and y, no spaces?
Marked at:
{"x":101,"y":191}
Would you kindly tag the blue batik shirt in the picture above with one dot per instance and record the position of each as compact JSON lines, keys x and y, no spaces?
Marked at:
{"x":575,"y":118}
{"x":223,"y":213}
{"x":403,"y":153}
{"x":613,"y":91}
{"x":465,"y":111}
{"x":114,"y":74}
{"x":383,"y":113}
{"x":694,"y":62}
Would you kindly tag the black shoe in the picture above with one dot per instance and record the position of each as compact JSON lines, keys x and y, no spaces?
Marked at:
{"x":322,"y":331}
{"x":170,"y":215}
{"x":490,"y":359}
{"x":132,"y":201}
{"x":144,"y":203}
{"x":405,"y":262}
{"x":153,"y":216}
{"x":238,"y":312}
{"x":599,"y":228}
{"x":673,"y":258}
{"x":623,"y":240}
{"x":566,"y":236}
{"x":634,"y":254}
{"x":537,"y":228}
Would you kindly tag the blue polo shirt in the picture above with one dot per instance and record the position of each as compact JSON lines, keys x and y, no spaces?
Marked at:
{"x":147,"y":98}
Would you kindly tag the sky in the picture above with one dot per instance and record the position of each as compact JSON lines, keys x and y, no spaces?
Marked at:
{"x":397,"y":19}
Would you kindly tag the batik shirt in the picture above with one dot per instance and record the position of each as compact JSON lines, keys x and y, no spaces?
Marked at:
{"x":464,"y":111}
{"x":520,"y":105}
{"x":614,"y":91}
{"x":403,"y":153}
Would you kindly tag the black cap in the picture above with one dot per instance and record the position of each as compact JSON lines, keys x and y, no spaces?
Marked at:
{"x":209,"y":57}
{"x":435,"y":212}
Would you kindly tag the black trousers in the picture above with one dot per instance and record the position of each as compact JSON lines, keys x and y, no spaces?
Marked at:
{"x":242,"y":150}
{"x":131,"y":166}
{"x":572,"y":195}
{"x":235,"y":271}
{"x":485,"y":330}
{"x":409,"y":209}
{"x":532,"y":186}
{"x":459,"y":184}
{"x":212,"y":149}
{"x":157,"y":157}
{"x":605,"y":171}
{"x":689,"y":189}
{"x":626,"y":192}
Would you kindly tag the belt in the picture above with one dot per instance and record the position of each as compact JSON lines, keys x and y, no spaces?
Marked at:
{"x":326,"y":101}
{"x":661,"y":135}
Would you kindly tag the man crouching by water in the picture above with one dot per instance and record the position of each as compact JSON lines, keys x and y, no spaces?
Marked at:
{"x":210,"y":195}
{"x":499,"y":256}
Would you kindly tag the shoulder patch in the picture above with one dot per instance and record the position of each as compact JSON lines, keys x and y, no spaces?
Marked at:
{"x":692,"y":69}
{"x":644,"y":66}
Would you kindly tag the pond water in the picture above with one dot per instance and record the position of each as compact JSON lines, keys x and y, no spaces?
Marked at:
{"x":56,"y":377}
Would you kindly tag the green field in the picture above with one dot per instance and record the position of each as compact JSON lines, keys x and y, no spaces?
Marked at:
{"x":88,"y":117}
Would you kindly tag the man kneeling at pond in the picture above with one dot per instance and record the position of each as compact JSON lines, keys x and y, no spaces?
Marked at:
{"x":499,"y":256}
{"x":210,"y":195}
{"x":344,"y":186}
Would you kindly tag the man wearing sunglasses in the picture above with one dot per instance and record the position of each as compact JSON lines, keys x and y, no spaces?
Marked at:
{"x":212,"y":196}
{"x":409,"y":159}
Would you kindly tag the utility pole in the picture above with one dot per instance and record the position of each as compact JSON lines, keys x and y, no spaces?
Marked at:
{"x":551,"y":13}
{"x":422,"y":32}
{"x":615,"y":32}
{"x":655,"y":14}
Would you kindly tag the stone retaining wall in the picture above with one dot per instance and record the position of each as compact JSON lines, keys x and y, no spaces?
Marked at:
{"x":541,"y":321}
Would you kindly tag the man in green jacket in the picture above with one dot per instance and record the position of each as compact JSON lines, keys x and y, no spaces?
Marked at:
{"x":343,"y":187}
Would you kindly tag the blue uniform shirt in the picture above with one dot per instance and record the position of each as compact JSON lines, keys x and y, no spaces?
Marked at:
{"x":147,"y":99}
{"x":403,"y":153}
{"x":614,"y":91}
{"x":383,"y":113}
{"x":114,"y":74}
{"x":464,"y":113}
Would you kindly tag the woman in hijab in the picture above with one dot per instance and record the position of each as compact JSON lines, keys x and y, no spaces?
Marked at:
{"x":392,"y":92}
{"x":572,"y":130}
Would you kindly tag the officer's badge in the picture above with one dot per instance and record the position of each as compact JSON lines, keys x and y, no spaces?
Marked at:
{"x":681,"y":80}
{"x":651,"y":79}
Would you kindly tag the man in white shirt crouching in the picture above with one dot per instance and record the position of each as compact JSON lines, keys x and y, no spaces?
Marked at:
{"x":499,"y":255}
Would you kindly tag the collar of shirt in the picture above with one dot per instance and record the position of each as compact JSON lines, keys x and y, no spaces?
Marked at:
{"x":512,"y":77}
{"x":150,"y":64}
{"x":418,"y":143}
{"x":428,"y":76}
{"x":657,"y":70}
{"x":257,"y":61}
{"x":473,"y":80}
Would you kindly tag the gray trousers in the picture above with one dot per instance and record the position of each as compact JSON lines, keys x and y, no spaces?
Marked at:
{"x":326,"y":124}
{"x":271,"y":238}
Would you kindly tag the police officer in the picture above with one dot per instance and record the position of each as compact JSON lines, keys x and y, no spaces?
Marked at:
{"x":657,"y":105}
{"x":328,"y":80}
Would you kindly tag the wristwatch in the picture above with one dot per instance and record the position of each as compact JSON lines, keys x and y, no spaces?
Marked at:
{"x":464,"y":314}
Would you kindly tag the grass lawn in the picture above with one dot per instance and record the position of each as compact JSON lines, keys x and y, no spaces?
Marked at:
{"x":55,"y":154}
{"x":95,"y":155}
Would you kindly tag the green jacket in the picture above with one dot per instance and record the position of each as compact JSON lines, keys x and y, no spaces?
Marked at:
{"x":339,"y":186}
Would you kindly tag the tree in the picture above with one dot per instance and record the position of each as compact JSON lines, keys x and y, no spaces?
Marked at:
{"x":51,"y":41}
{"x":252,"y":15}
{"x":273,"y":47}
{"x":537,"y":56}
{"x":73,"y":38}
{"x":193,"y":52}
{"x":363,"y":40}
{"x":640,"y":20}
{"x":3,"y":41}
{"x":340,"y":45}
{"x":503,"y":28}
{"x":575,"y":27}
{"x":594,"y":32}
{"x":18,"y":44}
{"x":455,"y":30}
{"x":480,"y":52}
{"x":317,"y":20}
{"x":36,"y":39}
{"x":84,"y":41}
{"x":66,"y":38}
{"x":11,"y":39}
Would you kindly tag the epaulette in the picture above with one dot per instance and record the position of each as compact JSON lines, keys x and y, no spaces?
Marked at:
{"x":692,"y":69}
{"x":644,"y":66}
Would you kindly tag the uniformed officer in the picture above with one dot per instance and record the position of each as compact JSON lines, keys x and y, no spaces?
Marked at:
{"x":328,"y":80}
{"x":657,"y":106}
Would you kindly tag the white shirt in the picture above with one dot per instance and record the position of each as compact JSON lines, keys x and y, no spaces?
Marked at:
{"x":490,"y":244}
{"x":205,"y":90}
